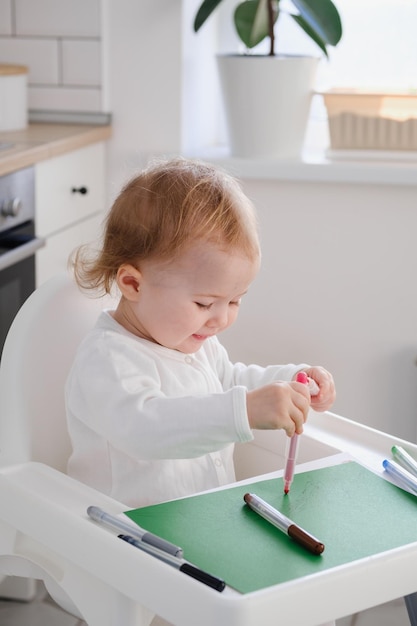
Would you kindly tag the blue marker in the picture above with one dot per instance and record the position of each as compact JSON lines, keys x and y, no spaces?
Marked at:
{"x":404,"y":479}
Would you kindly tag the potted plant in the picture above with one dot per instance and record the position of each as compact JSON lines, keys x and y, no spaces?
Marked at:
{"x":267,"y":97}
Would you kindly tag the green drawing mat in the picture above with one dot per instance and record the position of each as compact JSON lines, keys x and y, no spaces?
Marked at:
{"x":351,"y":510}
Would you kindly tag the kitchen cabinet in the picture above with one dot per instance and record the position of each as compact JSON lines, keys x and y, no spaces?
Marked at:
{"x":70,"y":205}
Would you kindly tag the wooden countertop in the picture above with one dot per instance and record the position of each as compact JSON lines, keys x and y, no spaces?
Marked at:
{"x":40,"y":141}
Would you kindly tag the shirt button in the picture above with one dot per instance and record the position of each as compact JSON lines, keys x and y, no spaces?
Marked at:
{"x":188,"y":359}
{"x":218,"y":462}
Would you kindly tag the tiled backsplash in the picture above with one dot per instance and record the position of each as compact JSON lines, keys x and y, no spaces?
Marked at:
{"x":61,"y":43}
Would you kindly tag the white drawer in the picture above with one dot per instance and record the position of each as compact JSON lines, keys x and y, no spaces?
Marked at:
{"x":53,"y":258}
{"x":59,"y":203}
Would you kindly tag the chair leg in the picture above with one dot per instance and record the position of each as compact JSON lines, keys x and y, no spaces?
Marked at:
{"x":411,"y":604}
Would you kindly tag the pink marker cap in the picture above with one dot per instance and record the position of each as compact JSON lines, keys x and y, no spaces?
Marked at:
{"x":302,"y":378}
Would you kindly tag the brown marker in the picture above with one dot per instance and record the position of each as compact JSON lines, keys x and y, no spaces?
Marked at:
{"x":277,"y":519}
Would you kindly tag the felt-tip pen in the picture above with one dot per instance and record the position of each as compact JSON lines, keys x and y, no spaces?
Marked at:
{"x":291,"y":451}
{"x":401,"y":476}
{"x":277,"y":519}
{"x":405,"y":459}
{"x":180,"y":564}
{"x":129,"y":527}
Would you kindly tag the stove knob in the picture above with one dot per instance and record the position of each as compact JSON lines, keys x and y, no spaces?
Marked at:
{"x":11,"y":208}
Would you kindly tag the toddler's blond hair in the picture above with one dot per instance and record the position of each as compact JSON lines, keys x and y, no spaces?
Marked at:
{"x":162,"y":211}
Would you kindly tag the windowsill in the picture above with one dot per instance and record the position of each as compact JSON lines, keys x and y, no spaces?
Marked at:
{"x":319,"y":164}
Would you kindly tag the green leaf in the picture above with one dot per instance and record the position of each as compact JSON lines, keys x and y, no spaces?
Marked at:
{"x":251,"y":21}
{"x":205,"y":10}
{"x":311,"y":33}
{"x":320,"y":20}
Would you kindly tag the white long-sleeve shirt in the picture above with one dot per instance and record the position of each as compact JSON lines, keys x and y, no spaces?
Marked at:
{"x":149,"y":424}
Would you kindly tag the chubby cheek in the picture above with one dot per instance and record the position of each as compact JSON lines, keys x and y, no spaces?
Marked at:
{"x":231,"y":317}
{"x":179,"y":321}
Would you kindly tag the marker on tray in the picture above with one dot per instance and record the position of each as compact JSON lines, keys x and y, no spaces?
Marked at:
{"x":129,"y":527}
{"x":292,"y":446}
{"x":181,"y":564}
{"x":277,"y":519}
{"x":405,"y":459}
{"x":401,"y":476}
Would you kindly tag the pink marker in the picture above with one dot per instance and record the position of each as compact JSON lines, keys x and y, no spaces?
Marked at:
{"x":292,"y":446}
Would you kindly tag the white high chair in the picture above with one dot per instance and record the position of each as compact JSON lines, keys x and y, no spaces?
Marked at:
{"x":44,"y":530}
{"x":45,"y":533}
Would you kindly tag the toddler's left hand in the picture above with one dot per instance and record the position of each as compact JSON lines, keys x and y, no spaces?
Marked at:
{"x":323,"y":400}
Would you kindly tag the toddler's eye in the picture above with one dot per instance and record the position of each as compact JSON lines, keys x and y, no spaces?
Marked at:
{"x":203,"y":306}
{"x":236,"y":302}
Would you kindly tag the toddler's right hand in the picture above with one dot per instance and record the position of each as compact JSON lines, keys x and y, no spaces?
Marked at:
{"x":280,"y":405}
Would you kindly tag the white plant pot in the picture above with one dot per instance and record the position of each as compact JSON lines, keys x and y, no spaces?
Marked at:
{"x":267,"y":102}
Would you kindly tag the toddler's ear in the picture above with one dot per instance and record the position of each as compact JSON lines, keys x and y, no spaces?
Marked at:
{"x":128,"y":281}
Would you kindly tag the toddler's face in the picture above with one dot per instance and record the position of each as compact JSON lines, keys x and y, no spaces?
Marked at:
{"x":182,"y":303}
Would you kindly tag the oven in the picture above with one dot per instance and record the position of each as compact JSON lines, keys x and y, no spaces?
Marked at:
{"x":18,"y":244}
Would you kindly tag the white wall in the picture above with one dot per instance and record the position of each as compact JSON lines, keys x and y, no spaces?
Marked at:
{"x":338,"y":287}
{"x":162,"y":82}
{"x":144,"y":75}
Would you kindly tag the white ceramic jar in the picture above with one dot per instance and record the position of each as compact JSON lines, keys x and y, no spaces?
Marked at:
{"x":13,"y":97}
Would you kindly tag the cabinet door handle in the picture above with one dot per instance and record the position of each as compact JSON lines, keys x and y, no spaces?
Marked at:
{"x":81,"y":190}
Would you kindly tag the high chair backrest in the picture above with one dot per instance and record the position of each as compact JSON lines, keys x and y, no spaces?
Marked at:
{"x":37,"y":356}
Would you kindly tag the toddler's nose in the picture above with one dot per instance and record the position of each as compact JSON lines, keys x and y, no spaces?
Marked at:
{"x":219,"y":319}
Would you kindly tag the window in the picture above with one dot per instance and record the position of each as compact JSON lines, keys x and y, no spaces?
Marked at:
{"x":378,"y":50}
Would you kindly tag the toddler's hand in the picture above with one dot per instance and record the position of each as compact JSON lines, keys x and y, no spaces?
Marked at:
{"x":279,"y":405}
{"x":324,"y":395}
